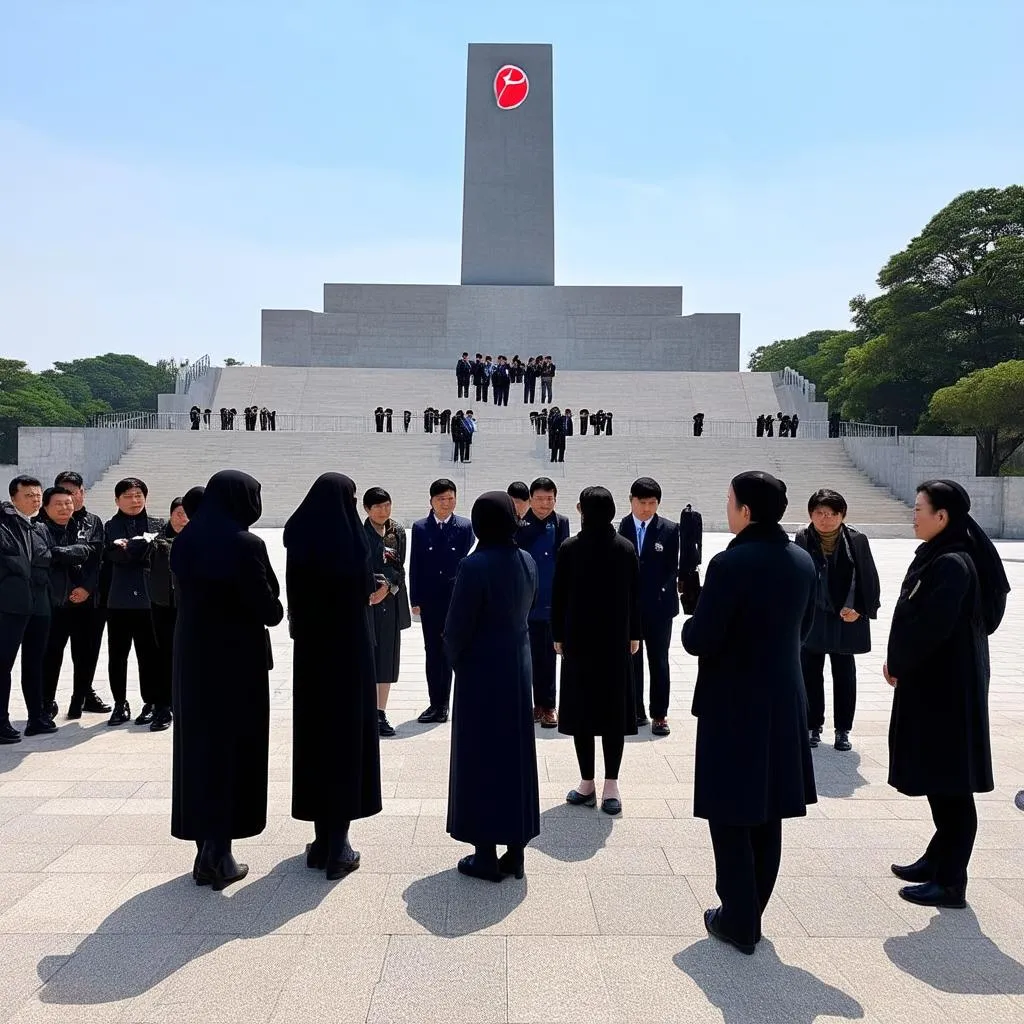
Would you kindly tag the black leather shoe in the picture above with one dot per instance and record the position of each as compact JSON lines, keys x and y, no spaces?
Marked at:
{"x":581,"y":799}
{"x":162,"y":719}
{"x":485,"y":872}
{"x":122,"y":713}
{"x":815,"y":737}
{"x":95,"y":705}
{"x":52,"y":710}
{"x":843,"y":740}
{"x":342,"y":866}
{"x":931,"y":894}
{"x":512,"y":865}
{"x":715,"y":931}
{"x":221,"y":873}
{"x":659,"y":727}
{"x":316,"y":855}
{"x":197,"y":873}
{"x":8,"y":734}
{"x":642,"y":720}
{"x":40,"y":726}
{"x":918,"y":872}
{"x":433,"y":714}
{"x":613,"y":806}
{"x":384,"y":727}
{"x":75,"y":708}
{"x":145,"y":715}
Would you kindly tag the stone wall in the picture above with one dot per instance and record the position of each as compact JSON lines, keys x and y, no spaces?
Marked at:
{"x":46,"y":451}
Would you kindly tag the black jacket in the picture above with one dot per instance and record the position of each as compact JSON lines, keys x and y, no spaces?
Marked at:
{"x":463,"y":370}
{"x":478,"y":372}
{"x":129,"y":580}
{"x":90,"y":531}
{"x":15,"y":562}
{"x":67,"y":555}
{"x":691,"y":539}
{"x":659,"y":563}
{"x":161,"y":582}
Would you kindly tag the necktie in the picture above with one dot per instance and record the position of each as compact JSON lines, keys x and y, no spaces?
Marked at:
{"x":640,"y":539}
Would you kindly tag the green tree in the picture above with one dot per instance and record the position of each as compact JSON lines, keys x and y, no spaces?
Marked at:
{"x":29,"y":400}
{"x":231,"y":361}
{"x":988,"y":403}
{"x":817,"y":355}
{"x":124,"y":382}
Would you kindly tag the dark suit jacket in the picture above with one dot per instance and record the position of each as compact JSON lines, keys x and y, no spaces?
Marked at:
{"x":659,"y":567}
{"x":435,"y":561}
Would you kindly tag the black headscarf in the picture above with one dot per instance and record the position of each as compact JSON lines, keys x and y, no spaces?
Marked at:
{"x":191,"y":501}
{"x":597,"y":510}
{"x":326,"y":529}
{"x":209,"y":549}
{"x":494,"y":520}
{"x":763,"y":494}
{"x":963,"y":534}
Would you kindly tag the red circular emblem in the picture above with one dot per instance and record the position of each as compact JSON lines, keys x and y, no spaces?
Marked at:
{"x":511,"y":87}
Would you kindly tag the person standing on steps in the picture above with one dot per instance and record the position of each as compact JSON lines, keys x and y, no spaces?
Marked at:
{"x":440,"y":541}
{"x":760,"y":426}
{"x":469,"y":422}
{"x":556,"y":434}
{"x":698,"y":425}
{"x":386,"y":539}
{"x":406,"y":419}
{"x":501,"y":381}
{"x":463,"y":375}
{"x":547,"y":380}
{"x":479,"y":375}
{"x":847,"y":596}
{"x":530,"y":382}
{"x":378,"y":419}
{"x":794,"y":422}
{"x":952,"y":600}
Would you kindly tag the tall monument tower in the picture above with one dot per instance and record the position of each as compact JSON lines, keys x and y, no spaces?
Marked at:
{"x":508,"y":206}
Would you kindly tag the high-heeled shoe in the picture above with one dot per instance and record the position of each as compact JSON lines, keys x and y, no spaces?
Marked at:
{"x":340,"y":859}
{"x":218,"y":868}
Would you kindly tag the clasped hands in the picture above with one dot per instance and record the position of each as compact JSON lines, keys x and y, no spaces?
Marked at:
{"x":634,"y":646}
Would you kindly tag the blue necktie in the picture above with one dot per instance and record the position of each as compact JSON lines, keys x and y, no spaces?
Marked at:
{"x":640,"y":539}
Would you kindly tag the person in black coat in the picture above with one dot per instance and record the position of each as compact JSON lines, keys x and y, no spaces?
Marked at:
{"x":794,"y":422}
{"x":691,"y":554}
{"x":698,"y":424}
{"x":595,"y":623}
{"x":753,"y":759}
{"x":952,"y":600}
{"x":227,"y":596}
{"x":493,"y":792}
{"x":463,"y":375}
{"x":530,"y":382}
{"x":556,"y":434}
{"x":847,"y":597}
{"x":335,"y":748}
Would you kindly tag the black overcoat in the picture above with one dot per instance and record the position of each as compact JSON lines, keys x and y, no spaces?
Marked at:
{"x":753,"y":756}
{"x":595,"y":613}
{"x":849,"y":577}
{"x":393,"y":614}
{"x":493,"y":794}
{"x":938,"y":653}
{"x":227,"y":597}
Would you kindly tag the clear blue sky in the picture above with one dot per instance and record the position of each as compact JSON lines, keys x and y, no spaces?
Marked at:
{"x":166,"y":170}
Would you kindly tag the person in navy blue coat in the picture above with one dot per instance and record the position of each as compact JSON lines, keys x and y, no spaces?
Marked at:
{"x":657,"y":544}
{"x":493,"y":792}
{"x":439,"y":544}
{"x":753,"y":759}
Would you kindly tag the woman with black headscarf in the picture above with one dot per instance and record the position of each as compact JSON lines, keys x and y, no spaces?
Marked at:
{"x":335,"y":748}
{"x":753,"y":759}
{"x":952,"y":599}
{"x":595,"y":623}
{"x":227,"y":596}
{"x":493,"y":794}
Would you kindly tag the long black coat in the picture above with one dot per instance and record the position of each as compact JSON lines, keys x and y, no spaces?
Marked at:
{"x":335,"y":749}
{"x":595,"y":613}
{"x":393,"y":614}
{"x":753,"y":758}
{"x":938,"y":653}
{"x":493,"y":794}
{"x":850,"y":579}
{"x":227,"y":596}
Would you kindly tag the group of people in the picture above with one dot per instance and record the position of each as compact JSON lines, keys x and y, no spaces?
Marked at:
{"x":484,"y":373}
{"x":599,"y":422}
{"x":253,"y":417}
{"x":765,"y":425}
{"x":65,"y":575}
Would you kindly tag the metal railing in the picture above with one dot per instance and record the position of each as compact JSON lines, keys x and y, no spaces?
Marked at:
{"x":880,"y":431}
{"x":188,"y":375}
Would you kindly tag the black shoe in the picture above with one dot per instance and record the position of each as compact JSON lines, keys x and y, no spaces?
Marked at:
{"x":145,"y":715}
{"x":339,"y":867}
{"x":75,"y":708}
{"x":316,"y":855}
{"x":659,"y":727}
{"x":197,"y":872}
{"x":220,"y":872}
{"x":122,"y":713}
{"x":715,"y":931}
{"x":612,"y":805}
{"x":642,"y":720}
{"x":843,"y":740}
{"x":40,"y":726}
{"x":95,"y":705}
{"x":8,"y":734}
{"x":581,"y":799}
{"x":485,"y":872}
{"x":815,"y":737}
{"x":162,"y":718}
{"x":51,"y":709}
{"x":434,"y":714}
{"x":508,"y":864}
{"x":384,"y":727}
{"x":918,"y":872}
{"x":931,"y":894}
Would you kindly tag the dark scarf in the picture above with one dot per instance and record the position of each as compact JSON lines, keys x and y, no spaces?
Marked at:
{"x":760,"y":533}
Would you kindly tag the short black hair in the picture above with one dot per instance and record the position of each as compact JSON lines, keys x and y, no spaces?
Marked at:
{"x":827,"y":498}
{"x":465,"y":355}
{"x":645,"y":487}
{"x":130,"y":483}
{"x":376,"y":496}
{"x":543,"y":483}
{"x":22,"y":481}
{"x":69,"y":478}
{"x":442,"y":485}
{"x":51,"y":491}
{"x":519,"y":490}
{"x":175,"y":503}
{"x":479,"y":355}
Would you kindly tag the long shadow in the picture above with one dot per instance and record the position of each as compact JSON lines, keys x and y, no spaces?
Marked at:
{"x":68,"y":736}
{"x":147,"y":939}
{"x":953,"y":955}
{"x":762,"y":989}
{"x":836,"y":774}
{"x":449,"y":905}
{"x":572,"y":834}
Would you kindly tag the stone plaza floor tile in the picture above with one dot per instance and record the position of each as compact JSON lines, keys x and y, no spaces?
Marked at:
{"x":778,"y":921}
{"x":845,"y":907}
{"x":646,"y":905}
{"x":62,"y":904}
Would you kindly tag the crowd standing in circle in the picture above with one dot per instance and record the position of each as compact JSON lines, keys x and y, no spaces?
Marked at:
{"x":500,"y":599}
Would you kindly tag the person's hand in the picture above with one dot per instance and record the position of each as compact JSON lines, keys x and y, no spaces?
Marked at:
{"x":78,"y":595}
{"x":849,"y":615}
{"x":891,"y":680}
{"x":380,"y":593}
{"x":415,"y":609}
{"x":558,"y":649}
{"x":121,"y":542}
{"x":634,"y":646}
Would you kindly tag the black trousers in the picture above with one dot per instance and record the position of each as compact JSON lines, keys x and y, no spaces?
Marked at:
{"x":844,"y":688}
{"x":463,"y":389}
{"x":545,"y":390}
{"x":481,"y":391}
{"x":407,"y":419}
{"x":82,"y":624}
{"x":439,"y":669}
{"x":127,"y":626}
{"x":530,"y":391}
{"x":657,"y":640}
{"x":956,"y":825}
{"x":611,"y":746}
{"x":558,"y":454}
{"x":27,"y":632}
{"x":501,"y":395}
{"x":542,"y":654}
{"x":747,"y":859}
{"x":163,"y":629}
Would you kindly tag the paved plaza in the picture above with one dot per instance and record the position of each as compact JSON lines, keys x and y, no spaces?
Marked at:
{"x":100,"y":920}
